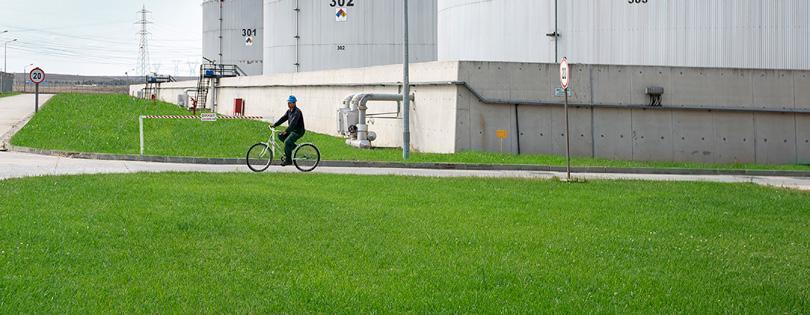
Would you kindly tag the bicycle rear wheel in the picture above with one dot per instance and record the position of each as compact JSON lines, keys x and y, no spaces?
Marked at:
{"x":259,"y":157}
{"x":306,"y":157}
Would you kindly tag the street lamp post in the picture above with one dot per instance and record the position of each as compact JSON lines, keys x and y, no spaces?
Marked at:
{"x":5,"y":54}
{"x":5,"y":62}
{"x":25,"y":77}
{"x":128,"y":82}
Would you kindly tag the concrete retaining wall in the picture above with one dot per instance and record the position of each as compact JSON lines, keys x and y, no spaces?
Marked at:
{"x":707,"y":115}
{"x":750,"y":116}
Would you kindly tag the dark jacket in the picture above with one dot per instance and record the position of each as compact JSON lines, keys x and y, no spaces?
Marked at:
{"x":296,"y":121}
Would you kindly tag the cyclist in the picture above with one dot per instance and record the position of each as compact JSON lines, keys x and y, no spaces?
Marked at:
{"x":295,"y":129}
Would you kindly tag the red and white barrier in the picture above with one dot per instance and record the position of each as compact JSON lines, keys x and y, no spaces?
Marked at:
{"x":199,"y":117}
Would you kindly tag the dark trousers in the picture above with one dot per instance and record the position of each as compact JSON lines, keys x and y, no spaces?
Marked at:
{"x":289,"y":140}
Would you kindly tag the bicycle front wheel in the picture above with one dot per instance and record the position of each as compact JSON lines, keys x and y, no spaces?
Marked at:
{"x":306,"y":157}
{"x":259,"y":157}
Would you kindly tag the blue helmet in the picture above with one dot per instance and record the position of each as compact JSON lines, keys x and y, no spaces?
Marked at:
{"x":292,"y":99}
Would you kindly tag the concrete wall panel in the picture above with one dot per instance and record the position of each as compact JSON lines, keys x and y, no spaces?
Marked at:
{"x":728,"y":88}
{"x":773,"y":89}
{"x":463,"y":122}
{"x":776,"y":138}
{"x":580,"y":83}
{"x":652,"y":135}
{"x":433,"y":114}
{"x":803,"y":139}
{"x":613,"y":134}
{"x":734,"y":137}
{"x":535,"y":129}
{"x":688,"y":87}
{"x":581,"y":131}
{"x":801,"y":88}
{"x":693,"y":136}
{"x":611,"y":85}
{"x":644,"y":77}
{"x":485,"y":120}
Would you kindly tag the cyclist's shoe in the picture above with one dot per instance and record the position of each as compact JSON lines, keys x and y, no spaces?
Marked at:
{"x":285,"y":162}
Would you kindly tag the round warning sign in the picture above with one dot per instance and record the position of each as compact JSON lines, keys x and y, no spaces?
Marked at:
{"x":37,"y":75}
{"x":565,"y":73}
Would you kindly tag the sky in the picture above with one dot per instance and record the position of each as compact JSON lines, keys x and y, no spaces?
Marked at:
{"x":99,"y":37}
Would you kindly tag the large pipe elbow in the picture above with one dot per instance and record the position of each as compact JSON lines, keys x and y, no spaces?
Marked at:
{"x":347,"y":101}
{"x":355,"y":100}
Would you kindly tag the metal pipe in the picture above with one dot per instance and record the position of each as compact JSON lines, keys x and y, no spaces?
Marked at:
{"x":297,"y":36}
{"x":556,"y":34}
{"x":567,"y":139}
{"x":499,"y":101}
{"x":356,"y":99}
{"x":361,"y":103}
{"x":517,"y":128}
{"x":220,"y":29}
{"x":140,"y":128}
{"x":406,"y":87}
{"x":347,"y":101}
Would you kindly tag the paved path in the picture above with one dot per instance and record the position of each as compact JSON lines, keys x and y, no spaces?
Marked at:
{"x":15,"y":110}
{"x":16,"y":165}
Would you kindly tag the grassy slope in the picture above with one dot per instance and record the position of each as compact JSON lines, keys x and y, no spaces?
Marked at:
{"x":108,"y":124}
{"x":9,"y":94}
{"x":241,"y":243}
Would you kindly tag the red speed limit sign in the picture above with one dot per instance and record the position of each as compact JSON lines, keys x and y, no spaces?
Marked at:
{"x":37,"y":75}
{"x":565,"y":73}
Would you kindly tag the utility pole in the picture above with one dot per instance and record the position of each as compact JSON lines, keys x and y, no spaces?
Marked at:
{"x":5,"y":63}
{"x":143,"y":44}
{"x":5,"y":54}
{"x":406,"y":88}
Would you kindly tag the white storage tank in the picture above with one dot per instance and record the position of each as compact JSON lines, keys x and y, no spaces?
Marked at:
{"x":242,"y":33}
{"x":332,"y":34}
{"x":691,"y":33}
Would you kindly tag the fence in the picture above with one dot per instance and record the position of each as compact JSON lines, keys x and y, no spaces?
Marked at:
{"x":6,"y":82}
{"x":51,"y":88}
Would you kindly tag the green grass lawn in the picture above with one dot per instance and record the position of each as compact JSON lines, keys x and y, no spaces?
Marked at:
{"x":8,"y":94}
{"x":302,"y":244}
{"x":109,"y":124}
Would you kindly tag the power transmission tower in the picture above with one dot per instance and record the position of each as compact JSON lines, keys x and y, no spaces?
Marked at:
{"x":143,"y":45}
{"x":192,"y":68}
{"x":176,"y":67}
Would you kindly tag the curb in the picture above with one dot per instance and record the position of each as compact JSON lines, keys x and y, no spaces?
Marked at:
{"x":432,"y":166}
{"x":5,"y":139}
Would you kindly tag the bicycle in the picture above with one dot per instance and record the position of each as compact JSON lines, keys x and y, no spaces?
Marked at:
{"x":306,"y":156}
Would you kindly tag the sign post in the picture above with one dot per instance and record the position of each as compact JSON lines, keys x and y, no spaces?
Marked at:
{"x":565,"y":79}
{"x":501,"y":134}
{"x":37,"y":76}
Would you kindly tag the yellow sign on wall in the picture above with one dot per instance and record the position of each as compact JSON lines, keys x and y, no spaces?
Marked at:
{"x":501,"y":134}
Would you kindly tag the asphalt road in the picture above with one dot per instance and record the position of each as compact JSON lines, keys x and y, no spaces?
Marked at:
{"x":17,"y":165}
{"x":15,"y":110}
